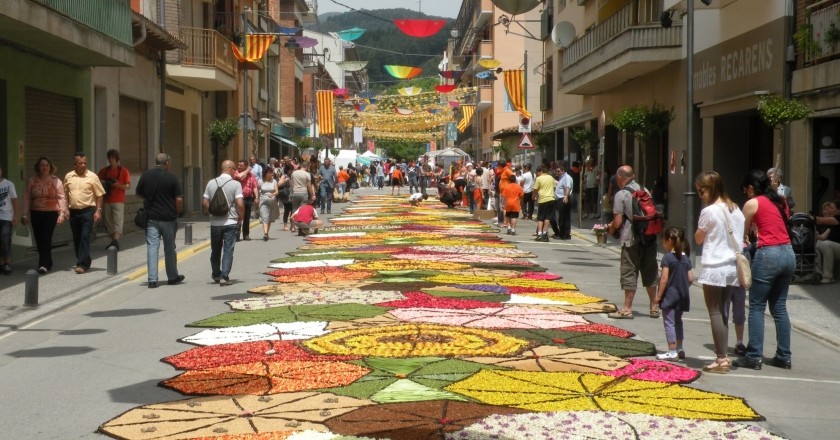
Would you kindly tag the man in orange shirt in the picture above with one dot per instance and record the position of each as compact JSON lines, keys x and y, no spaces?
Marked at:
{"x":396,"y":179}
{"x":343,"y":177}
{"x":504,"y":173}
{"x":512,"y":195}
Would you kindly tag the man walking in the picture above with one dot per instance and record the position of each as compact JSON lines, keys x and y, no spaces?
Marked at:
{"x":163,"y":201}
{"x":118,"y":179}
{"x":224,"y":228}
{"x":562,"y":226}
{"x":527,"y":188}
{"x":544,"y":187}
{"x":636,"y":256}
{"x":328,"y":180}
{"x":84,"y":199}
{"x":249,"y":191}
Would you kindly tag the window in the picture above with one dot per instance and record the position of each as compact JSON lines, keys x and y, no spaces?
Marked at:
{"x":134,"y":134}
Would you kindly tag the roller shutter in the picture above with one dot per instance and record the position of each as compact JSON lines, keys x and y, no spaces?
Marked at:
{"x":174,"y":138}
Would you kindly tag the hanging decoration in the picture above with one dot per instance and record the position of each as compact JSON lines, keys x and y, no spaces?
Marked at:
{"x":410,"y":91}
{"x":454,"y":104}
{"x":419,"y":28}
{"x":340,"y":91}
{"x":326,"y":112}
{"x":468,"y":111}
{"x":301,"y":42}
{"x":351,"y":66}
{"x":350,"y":34}
{"x":288,"y":30}
{"x":256,"y":46}
{"x":484,"y":74}
{"x":445,"y":88}
{"x":516,"y":7}
{"x":515,"y":86}
{"x":489,"y":63}
{"x":402,"y":72}
{"x":451,"y":74}
{"x":403,"y":111}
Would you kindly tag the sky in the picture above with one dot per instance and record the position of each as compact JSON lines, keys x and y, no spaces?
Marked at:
{"x":442,"y":8}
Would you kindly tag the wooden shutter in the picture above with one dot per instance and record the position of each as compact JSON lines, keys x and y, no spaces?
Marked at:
{"x":134,"y":134}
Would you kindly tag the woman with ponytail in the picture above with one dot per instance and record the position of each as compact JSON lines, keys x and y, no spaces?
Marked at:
{"x":772,"y":271}
{"x":672,"y":296}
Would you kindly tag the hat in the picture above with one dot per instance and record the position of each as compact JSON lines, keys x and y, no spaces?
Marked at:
{"x":469,"y":164}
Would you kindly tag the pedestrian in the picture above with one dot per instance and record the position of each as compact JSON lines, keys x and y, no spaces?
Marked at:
{"x":225,"y":228}
{"x":284,"y":196}
{"x":775,"y":175}
{"x":543,"y":191}
{"x":637,"y":256}
{"x":306,"y":219}
{"x":84,"y":194}
{"x":328,"y":180}
{"x":9,"y":211}
{"x":720,"y":218}
{"x":513,"y":203}
{"x":380,"y":175}
{"x":267,"y":203}
{"x":828,"y":241}
{"x":254,"y":167}
{"x":396,"y":179}
{"x":561,"y":222}
{"x":44,"y":206}
{"x":426,"y":174}
{"x":413,"y":177}
{"x":772,"y":272}
{"x":116,"y":179}
{"x":673,"y":296}
{"x":250,"y":187}
{"x":163,"y":201}
{"x":353,"y":180}
{"x":503,"y":173}
{"x":303,"y":190}
{"x":590,"y":189}
{"x":527,"y":187}
{"x":342,"y":178}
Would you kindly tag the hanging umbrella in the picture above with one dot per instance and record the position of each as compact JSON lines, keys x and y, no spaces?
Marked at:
{"x":420,"y":299}
{"x":402,"y":72}
{"x":454,"y":104}
{"x":357,"y":296}
{"x":304,"y":313}
{"x":606,"y":424}
{"x":484,"y":74}
{"x":231,"y":415}
{"x":350,"y":34}
{"x":489,"y":63}
{"x":352,"y":66}
{"x":445,"y":88}
{"x":288,"y":30}
{"x":341,"y":91}
{"x":212,"y":356}
{"x":420,"y":28}
{"x":451,"y":74}
{"x":490,"y":317}
{"x":415,"y":420}
{"x":657,"y":371}
{"x":516,"y":7}
{"x":585,"y":391}
{"x":410,"y":91}
{"x":613,"y":345}
{"x":406,"y":340}
{"x":301,"y":42}
{"x":553,"y":359}
{"x":258,"y":332}
{"x":265,"y":377}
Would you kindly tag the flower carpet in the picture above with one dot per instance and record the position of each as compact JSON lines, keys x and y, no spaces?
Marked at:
{"x":403,"y":322}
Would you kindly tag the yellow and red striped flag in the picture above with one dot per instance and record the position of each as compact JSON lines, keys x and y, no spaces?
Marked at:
{"x":256,"y":45}
{"x":468,"y":111}
{"x":326,"y":111}
{"x":515,"y":87}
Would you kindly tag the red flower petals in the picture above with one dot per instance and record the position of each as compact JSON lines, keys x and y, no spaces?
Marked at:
{"x":420,"y":299}
{"x":604,"y":329}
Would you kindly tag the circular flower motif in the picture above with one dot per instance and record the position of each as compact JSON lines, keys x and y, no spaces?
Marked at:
{"x":417,"y":340}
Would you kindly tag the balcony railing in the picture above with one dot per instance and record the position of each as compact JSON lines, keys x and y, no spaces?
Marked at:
{"x":825,"y":24}
{"x":112,"y":18}
{"x":208,"y":48}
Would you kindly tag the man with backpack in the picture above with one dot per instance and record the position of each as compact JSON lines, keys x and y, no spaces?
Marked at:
{"x":638,"y":243}
{"x":223,"y":200}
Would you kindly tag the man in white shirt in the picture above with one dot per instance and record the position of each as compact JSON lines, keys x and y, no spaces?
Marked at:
{"x":224,"y":229}
{"x":562,"y":205}
{"x":527,"y":187}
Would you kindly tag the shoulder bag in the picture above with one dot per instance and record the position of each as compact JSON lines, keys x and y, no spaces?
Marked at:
{"x":742,"y":264}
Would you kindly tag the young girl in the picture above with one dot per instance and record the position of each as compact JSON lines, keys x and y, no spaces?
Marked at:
{"x":672,"y":296}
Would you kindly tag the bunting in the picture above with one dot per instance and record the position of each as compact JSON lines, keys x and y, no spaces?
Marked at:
{"x":326,"y":112}
{"x":256,"y":46}
{"x":515,"y":87}
{"x":468,"y":114}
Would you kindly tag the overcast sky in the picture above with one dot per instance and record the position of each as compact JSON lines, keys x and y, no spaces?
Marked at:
{"x":442,"y":8}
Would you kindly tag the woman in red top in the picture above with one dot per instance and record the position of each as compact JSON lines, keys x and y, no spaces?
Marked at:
{"x":772,"y":271}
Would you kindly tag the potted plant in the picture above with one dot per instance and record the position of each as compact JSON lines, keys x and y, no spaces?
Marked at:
{"x":644,"y":123}
{"x":776,"y":111}
{"x":221,"y":132}
{"x":832,"y":36}
{"x":805,"y":41}
{"x":600,"y":230}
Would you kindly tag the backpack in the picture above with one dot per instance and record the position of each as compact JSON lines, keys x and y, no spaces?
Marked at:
{"x":647,"y":223}
{"x":107,"y":183}
{"x":219,"y":205}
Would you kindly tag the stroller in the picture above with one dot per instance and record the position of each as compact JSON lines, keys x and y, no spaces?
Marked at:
{"x":803,"y":237}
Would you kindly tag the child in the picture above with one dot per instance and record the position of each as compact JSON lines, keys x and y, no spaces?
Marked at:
{"x":672,"y":296}
{"x":513,"y":202}
{"x":8,"y":221}
{"x":305,"y":218}
{"x":396,"y":179}
{"x":416,"y":198}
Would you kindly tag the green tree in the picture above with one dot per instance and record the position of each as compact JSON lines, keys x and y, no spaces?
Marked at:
{"x":644,"y":123}
{"x":403,"y":148}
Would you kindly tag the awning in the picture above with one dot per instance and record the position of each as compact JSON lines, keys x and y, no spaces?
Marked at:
{"x":283,"y":139}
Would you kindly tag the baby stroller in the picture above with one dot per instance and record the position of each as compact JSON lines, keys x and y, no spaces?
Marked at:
{"x":803,"y":237}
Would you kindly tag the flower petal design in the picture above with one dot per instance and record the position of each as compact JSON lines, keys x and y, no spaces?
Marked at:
{"x":274,"y":331}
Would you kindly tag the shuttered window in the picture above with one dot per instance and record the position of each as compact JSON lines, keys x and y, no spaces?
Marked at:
{"x":134,"y":134}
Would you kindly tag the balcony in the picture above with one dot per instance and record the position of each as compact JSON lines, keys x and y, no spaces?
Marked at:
{"x":825,"y":32}
{"x":207,"y":64}
{"x":85,"y":34}
{"x":619,"y":49}
{"x":485,"y":49}
{"x":471,"y":19}
{"x":485,"y":97}
{"x":310,"y":16}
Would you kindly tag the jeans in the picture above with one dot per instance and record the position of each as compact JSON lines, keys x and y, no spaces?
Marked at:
{"x":222,"y":241}
{"x":413,"y":183}
{"x":528,"y":205}
{"x":772,"y":272}
{"x":43,"y":227}
{"x":423,"y":182}
{"x":341,"y":188}
{"x":246,"y":221}
{"x":81,"y":223}
{"x":326,"y":197}
{"x":380,"y":180}
{"x":157,"y":231}
{"x":471,"y":200}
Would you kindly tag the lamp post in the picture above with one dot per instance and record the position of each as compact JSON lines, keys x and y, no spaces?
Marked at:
{"x":246,"y":117}
{"x":689,"y":195}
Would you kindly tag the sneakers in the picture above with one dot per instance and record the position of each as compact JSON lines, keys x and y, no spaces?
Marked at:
{"x":177,"y":280}
{"x":740,"y":349}
{"x":216,"y":280}
{"x":43,"y":270}
{"x":746,"y":362}
{"x":7,"y":269}
{"x":667,"y":356}
{"x":225,"y":282}
{"x":827,"y":281}
{"x":513,"y":232}
{"x":79,"y":270}
{"x":508,"y":231}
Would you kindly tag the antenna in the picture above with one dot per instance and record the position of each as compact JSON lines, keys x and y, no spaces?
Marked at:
{"x":563,"y":34}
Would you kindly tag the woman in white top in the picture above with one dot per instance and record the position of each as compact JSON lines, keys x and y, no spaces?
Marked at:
{"x":719,"y":274}
{"x":267,"y":203}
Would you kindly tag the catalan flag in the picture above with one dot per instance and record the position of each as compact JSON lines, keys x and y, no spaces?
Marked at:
{"x":468,"y":111}
{"x":326,"y":111}
{"x":515,"y":87}
{"x":256,"y":45}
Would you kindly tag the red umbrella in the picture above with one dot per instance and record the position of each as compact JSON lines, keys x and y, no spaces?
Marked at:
{"x":419,"y":28}
{"x":445,"y":88}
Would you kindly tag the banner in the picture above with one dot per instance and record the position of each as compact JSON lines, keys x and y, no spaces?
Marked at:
{"x":256,"y":45}
{"x":515,"y":87}
{"x":326,"y":112}
{"x":357,"y":135}
{"x":468,"y":114}
{"x":451,"y":132}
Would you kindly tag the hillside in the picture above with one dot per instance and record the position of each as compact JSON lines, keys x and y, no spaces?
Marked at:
{"x":383,"y":34}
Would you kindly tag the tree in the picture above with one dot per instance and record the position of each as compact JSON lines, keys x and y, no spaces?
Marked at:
{"x":403,"y":148}
{"x":221,"y":132}
{"x":644,"y":123}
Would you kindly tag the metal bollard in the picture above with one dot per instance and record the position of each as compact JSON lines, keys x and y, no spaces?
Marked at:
{"x":187,"y":234}
{"x":112,"y":260}
{"x":30,"y":297}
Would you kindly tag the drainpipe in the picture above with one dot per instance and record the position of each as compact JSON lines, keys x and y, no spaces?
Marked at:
{"x":162,"y":68}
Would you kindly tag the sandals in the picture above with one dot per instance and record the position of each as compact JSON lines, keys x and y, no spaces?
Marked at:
{"x":720,"y":366}
{"x":655,"y":313}
{"x":620,"y":314}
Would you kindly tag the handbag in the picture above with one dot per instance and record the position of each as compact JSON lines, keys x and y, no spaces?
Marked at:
{"x":742,"y":264}
{"x":140,"y":218}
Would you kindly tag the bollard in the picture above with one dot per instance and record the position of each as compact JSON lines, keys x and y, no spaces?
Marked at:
{"x":112,"y":260}
{"x":187,"y":234}
{"x":30,"y":296}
